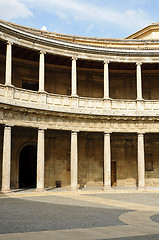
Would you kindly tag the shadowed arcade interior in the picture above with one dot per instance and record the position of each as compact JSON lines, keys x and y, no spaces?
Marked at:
{"x":27,"y":167}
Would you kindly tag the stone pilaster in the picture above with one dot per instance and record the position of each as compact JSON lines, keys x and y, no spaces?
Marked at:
{"x":74,"y":78}
{"x":141,"y":161}
{"x":42,"y":71}
{"x":74,"y":160}
{"x":40,"y":159}
{"x":106,"y":79}
{"x":8,"y":74}
{"x":139,"y":81}
{"x":6,"y":165}
{"x":107,"y":161}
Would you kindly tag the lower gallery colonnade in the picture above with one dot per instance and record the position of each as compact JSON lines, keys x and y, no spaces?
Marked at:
{"x":74,"y":150}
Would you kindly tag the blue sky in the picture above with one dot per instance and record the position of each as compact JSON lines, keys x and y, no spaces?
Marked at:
{"x":93,"y":18}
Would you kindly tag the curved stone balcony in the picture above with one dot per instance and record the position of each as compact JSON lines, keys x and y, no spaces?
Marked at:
{"x":77,"y":105}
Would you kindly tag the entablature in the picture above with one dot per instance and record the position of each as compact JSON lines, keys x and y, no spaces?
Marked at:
{"x":124,"y":50}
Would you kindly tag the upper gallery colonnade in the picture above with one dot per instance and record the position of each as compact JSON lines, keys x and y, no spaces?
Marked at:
{"x":74,"y":80}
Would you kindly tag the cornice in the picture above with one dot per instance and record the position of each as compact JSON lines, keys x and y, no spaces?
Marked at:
{"x":61,"y":44}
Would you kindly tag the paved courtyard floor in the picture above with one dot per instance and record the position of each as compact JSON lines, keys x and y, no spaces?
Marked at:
{"x":81,"y":215}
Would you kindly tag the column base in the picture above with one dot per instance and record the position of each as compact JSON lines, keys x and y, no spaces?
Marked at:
{"x":107,"y":98}
{"x":9,"y":85}
{"x":40,"y":189}
{"x":41,"y":91}
{"x":74,"y":95}
{"x":139,"y":99}
{"x":74,"y":189}
{"x":5,"y":191}
{"x":107,"y":188}
{"x":141,"y":188}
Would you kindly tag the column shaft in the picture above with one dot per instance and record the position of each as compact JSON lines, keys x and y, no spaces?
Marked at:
{"x":6,"y":160}
{"x":74,"y":77}
{"x":107,"y":161}
{"x":42,"y":71}
{"x":139,"y":82}
{"x":8,"y":75}
{"x":40,"y":159}
{"x":106,"y":80}
{"x":74,"y":161}
{"x":141,"y":161}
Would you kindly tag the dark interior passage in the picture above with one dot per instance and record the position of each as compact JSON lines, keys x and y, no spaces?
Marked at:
{"x":27,"y":167}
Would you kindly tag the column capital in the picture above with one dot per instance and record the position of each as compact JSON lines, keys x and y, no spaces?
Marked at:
{"x":8,"y":127}
{"x":138,"y":63}
{"x":9,"y":43}
{"x":75,"y":58}
{"x":41,"y":129}
{"x":106,"y":62}
{"x":42,"y":52}
{"x":140,"y":134}
{"x":107,"y":133}
{"x":74,"y":131}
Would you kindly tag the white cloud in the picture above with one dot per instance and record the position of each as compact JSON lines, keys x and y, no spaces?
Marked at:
{"x":10,"y":9}
{"x":44,"y":28}
{"x":81,"y":10}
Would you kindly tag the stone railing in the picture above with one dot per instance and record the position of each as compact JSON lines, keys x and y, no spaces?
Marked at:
{"x":80,"y":105}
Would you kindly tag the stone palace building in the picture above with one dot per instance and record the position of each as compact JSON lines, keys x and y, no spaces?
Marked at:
{"x":78,"y":111}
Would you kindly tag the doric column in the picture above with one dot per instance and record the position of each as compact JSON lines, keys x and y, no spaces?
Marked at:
{"x":42,"y":71}
{"x":106,"y":79}
{"x":141,"y":161}
{"x":6,"y":165}
{"x":107,"y":161}
{"x":74,"y":160}
{"x":8,"y":76}
{"x":74,"y":77}
{"x":139,"y":81}
{"x":40,"y":159}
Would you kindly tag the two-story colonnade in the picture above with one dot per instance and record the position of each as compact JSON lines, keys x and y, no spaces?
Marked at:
{"x":77,"y":110}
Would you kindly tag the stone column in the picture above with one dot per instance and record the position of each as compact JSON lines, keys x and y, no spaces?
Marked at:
{"x":8,"y":76}
{"x":107,"y":161}
{"x":139,"y":81}
{"x":141,"y":161}
{"x":42,"y":71}
{"x":74,"y":160}
{"x":106,"y":80}
{"x":74,"y":78}
{"x":40,"y":159}
{"x":6,"y":165}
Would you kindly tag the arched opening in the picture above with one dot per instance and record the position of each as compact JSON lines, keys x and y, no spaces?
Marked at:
{"x":27,"y":167}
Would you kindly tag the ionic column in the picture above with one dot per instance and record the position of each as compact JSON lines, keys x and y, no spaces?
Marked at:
{"x":40,"y":159}
{"x":141,"y":161}
{"x":42,"y":71}
{"x":6,"y":165}
{"x":74,"y":78}
{"x":106,"y":80}
{"x":74,"y":160}
{"x":107,"y":161}
{"x":8,"y":75}
{"x":139,"y":81}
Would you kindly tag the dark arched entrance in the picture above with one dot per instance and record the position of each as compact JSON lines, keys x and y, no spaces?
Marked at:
{"x":27,"y":167}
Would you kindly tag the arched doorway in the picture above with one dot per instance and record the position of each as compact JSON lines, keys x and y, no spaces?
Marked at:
{"x":27,"y":167}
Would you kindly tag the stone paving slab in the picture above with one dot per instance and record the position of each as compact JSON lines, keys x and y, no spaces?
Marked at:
{"x":149,"y":237}
{"x":141,"y":198}
{"x":136,"y":212}
{"x":19,"y":215}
